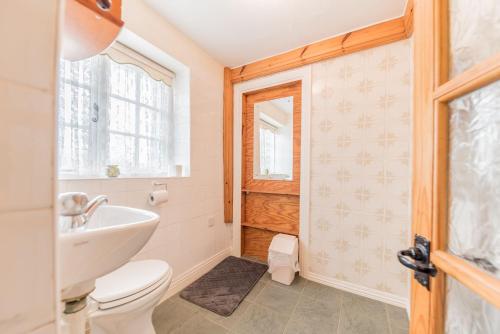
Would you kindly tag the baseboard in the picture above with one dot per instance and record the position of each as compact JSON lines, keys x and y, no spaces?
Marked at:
{"x":191,"y":275}
{"x":381,"y":296}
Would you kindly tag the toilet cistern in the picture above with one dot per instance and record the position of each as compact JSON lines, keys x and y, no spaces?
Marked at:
{"x":77,"y":206}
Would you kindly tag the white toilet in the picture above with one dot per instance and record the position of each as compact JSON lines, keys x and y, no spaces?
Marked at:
{"x":124,"y":300}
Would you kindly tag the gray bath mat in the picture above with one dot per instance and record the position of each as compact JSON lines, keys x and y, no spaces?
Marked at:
{"x":224,"y":287}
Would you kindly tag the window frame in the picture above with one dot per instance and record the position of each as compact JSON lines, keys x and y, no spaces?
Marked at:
{"x":97,"y":148}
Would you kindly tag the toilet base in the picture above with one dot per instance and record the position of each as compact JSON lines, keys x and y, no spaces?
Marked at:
{"x":131,"y":318}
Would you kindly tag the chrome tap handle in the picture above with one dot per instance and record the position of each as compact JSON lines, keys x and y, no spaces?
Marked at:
{"x":73,"y":204}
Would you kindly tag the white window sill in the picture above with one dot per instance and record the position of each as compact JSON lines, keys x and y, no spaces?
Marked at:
{"x":124,"y":177}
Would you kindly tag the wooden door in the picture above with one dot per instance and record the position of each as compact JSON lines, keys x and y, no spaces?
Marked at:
{"x":270,"y":173}
{"x":456,"y":166}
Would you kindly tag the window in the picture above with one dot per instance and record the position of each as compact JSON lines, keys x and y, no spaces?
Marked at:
{"x":267,"y":148}
{"x":115,"y":109}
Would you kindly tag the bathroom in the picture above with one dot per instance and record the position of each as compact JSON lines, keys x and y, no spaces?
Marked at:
{"x":249,"y":166}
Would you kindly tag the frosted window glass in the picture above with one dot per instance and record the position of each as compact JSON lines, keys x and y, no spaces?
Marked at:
{"x":467,"y":313}
{"x":474,"y":178}
{"x":474,"y":32}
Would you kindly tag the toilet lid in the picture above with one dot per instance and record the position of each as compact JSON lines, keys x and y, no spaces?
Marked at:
{"x":129,"y":280}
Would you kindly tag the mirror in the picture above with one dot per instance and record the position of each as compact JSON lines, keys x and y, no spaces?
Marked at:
{"x":273,"y":139}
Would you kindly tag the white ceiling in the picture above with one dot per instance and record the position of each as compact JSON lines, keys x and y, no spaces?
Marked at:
{"x":237,"y":32}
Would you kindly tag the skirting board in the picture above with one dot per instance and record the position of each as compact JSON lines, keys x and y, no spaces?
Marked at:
{"x":194,"y":273}
{"x":384,"y":297}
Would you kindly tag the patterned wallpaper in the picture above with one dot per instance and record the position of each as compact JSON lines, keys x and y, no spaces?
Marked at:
{"x":360,"y":167}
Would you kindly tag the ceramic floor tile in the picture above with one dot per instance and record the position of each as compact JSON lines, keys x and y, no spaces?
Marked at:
{"x":170,"y":316}
{"x":314,"y":316}
{"x":260,"y":320}
{"x":297,"y":285}
{"x":200,"y":325}
{"x":252,"y":295}
{"x":353,"y":305}
{"x":304,"y":308}
{"x":266,"y":278}
{"x":177,"y":298}
{"x":228,"y":322}
{"x":362,"y":324}
{"x":322,"y":292}
{"x":399,"y":330}
{"x":278,"y":299}
{"x":398,"y":317}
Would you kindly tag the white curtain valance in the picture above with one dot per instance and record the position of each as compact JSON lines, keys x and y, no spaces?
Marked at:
{"x":124,"y":55}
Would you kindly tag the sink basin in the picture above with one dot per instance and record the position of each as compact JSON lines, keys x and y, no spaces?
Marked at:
{"x":112,"y":236}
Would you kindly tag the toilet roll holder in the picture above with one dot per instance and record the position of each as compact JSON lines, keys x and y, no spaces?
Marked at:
{"x":160,"y":184}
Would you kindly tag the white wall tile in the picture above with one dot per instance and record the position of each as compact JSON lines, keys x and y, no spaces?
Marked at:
{"x":28,"y":31}
{"x":27,"y":289}
{"x":359,"y":168}
{"x":26,"y":141}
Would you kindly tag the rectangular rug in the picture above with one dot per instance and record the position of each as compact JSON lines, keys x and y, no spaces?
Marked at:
{"x":224,"y":287}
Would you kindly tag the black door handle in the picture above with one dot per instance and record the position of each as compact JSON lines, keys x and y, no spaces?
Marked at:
{"x":406,"y":256}
{"x":418,"y":259}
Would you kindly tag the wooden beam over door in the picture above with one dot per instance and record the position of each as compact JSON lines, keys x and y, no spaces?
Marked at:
{"x":366,"y":38}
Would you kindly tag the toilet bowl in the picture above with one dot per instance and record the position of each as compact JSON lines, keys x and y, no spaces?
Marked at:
{"x":124,"y":300}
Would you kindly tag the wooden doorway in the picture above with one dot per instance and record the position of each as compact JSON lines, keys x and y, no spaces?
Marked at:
{"x":270,"y":185}
{"x":456,"y":167}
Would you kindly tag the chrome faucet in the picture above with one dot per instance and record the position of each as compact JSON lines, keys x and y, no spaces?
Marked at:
{"x":77,"y":206}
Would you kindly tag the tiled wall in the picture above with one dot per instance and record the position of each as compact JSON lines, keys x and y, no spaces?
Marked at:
{"x":183,"y":238}
{"x":360,"y":168}
{"x":28,"y":33}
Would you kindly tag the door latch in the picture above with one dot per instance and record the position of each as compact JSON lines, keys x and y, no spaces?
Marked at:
{"x":417,"y":258}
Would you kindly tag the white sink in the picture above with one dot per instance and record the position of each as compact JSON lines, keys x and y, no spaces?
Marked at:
{"x":112,"y":236}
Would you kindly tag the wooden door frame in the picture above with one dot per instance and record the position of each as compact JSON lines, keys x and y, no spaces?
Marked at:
{"x":302,"y":74}
{"x":288,"y":187}
{"x":432,"y":92}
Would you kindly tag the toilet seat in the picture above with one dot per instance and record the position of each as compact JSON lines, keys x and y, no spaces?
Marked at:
{"x":130,"y":282}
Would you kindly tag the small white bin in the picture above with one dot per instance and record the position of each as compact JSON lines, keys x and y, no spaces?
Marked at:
{"x":283,"y":258}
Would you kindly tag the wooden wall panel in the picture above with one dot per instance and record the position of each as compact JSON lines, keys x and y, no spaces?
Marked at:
{"x":278,"y":213}
{"x":255,"y":242}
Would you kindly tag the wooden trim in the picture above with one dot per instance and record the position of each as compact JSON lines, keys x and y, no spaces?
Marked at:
{"x":366,"y":38}
{"x":228,"y":146}
{"x":442,"y":36}
{"x":474,"y":78}
{"x":423,"y":151}
{"x":270,"y":191}
{"x":439,"y":239}
{"x":482,"y":283}
{"x":249,"y":183}
{"x":408,"y":18}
